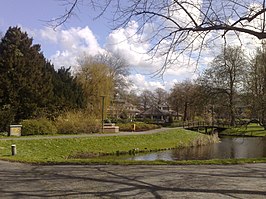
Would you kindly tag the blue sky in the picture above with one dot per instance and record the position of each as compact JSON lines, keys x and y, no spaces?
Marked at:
{"x":83,"y":35}
{"x":34,"y":14}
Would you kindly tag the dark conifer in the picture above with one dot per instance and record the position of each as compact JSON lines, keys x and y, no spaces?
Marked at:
{"x":26,"y":85}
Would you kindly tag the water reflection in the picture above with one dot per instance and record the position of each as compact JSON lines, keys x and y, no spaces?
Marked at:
{"x":229,"y":147}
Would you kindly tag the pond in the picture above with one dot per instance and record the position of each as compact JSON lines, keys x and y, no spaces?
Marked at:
{"x":229,"y":147}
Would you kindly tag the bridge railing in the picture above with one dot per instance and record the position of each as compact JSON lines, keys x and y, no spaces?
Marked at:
{"x":191,"y":124}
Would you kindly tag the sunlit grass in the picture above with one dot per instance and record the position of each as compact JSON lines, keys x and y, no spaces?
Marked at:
{"x":250,"y":130}
{"x":60,"y":150}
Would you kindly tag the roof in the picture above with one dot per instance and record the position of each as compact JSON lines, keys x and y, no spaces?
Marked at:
{"x":154,"y":111}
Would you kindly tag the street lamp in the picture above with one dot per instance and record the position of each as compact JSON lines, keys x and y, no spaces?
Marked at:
{"x":103,"y":97}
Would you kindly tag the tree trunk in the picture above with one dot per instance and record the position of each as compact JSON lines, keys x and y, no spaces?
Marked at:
{"x":185,"y":111}
{"x":231,"y":103}
{"x":177,"y":113}
{"x":232,"y":113}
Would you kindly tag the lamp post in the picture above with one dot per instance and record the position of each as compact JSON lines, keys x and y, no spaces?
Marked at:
{"x":103,"y":97}
{"x":212,"y":114}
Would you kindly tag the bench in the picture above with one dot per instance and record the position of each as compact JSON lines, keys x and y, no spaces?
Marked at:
{"x":110,"y":128}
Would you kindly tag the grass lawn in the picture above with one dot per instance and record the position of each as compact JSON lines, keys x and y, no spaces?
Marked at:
{"x":251,"y":130}
{"x":61,"y":150}
{"x":65,"y":150}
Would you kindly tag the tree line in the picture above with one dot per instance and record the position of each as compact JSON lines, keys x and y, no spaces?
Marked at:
{"x":231,"y":88}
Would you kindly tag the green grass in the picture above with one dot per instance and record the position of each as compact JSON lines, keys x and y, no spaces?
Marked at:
{"x":251,"y":130}
{"x":60,"y":150}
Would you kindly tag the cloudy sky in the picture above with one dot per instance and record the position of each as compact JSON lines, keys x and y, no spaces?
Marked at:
{"x":81,"y":34}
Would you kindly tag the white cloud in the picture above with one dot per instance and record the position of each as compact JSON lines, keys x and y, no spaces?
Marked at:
{"x":70,"y":44}
{"x":193,"y":7}
{"x":49,"y":35}
{"x":134,"y":48}
{"x":129,"y":44}
{"x":142,"y":82}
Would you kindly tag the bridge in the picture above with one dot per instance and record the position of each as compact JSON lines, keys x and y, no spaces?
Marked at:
{"x":199,"y":126}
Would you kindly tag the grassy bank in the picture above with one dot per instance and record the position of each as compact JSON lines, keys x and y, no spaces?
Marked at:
{"x":250,"y":130}
{"x":66,"y":150}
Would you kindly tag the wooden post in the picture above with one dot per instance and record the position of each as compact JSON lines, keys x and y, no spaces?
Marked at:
{"x":134,"y":127}
{"x":13,"y":149}
{"x":102,"y":113}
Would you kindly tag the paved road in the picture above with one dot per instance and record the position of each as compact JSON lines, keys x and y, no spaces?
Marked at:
{"x":113,"y":181}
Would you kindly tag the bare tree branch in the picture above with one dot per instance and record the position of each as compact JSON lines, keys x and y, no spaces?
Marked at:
{"x":182,"y":24}
{"x":58,"y":21}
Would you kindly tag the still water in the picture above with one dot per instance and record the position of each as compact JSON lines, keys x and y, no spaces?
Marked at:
{"x":229,"y":147}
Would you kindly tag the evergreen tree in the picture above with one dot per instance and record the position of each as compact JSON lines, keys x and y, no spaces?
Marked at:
{"x":26,"y":83}
{"x":68,"y":93}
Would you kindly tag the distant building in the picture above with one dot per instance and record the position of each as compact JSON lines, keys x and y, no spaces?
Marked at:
{"x":131,"y":110}
{"x":160,"y":114}
{"x":122,"y":109}
{"x":156,"y":114}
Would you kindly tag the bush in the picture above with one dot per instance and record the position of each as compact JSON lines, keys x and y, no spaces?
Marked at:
{"x":41,"y":126}
{"x":119,"y":120}
{"x":4,"y":133}
{"x":140,"y":126}
{"x":77,"y":123}
{"x":174,"y":124}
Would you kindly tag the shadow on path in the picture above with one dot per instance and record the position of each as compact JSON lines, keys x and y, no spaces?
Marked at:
{"x":70,"y":181}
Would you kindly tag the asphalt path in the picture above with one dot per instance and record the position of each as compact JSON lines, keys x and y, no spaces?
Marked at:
{"x":134,"y":181}
{"x":87,"y":135}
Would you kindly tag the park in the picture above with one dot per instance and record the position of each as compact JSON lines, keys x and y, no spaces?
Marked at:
{"x":71,"y":166}
{"x":133,"y":99}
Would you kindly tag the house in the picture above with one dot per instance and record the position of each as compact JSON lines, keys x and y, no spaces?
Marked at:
{"x":160,"y":114}
{"x":122,"y":109}
{"x":131,"y":110}
{"x":154,"y":113}
{"x":116,"y":108}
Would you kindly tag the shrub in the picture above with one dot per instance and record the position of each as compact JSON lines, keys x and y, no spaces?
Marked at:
{"x":41,"y":126}
{"x":119,"y":120}
{"x":4,"y":133}
{"x":174,"y":124}
{"x":140,"y":126}
{"x":77,"y":123}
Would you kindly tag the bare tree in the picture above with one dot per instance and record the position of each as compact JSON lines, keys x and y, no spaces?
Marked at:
{"x":146,"y":100}
{"x":160,"y":96}
{"x":225,"y":76}
{"x":175,"y":27}
{"x":186,"y":98}
{"x":118,"y":70}
{"x":257,"y":85}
